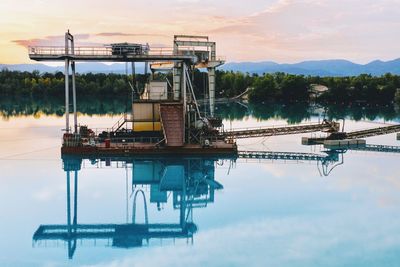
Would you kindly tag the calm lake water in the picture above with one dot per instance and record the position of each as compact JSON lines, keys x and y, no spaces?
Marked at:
{"x":340,"y":210}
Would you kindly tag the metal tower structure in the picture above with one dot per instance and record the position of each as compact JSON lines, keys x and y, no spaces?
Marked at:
{"x":70,"y":54}
{"x":205,"y":51}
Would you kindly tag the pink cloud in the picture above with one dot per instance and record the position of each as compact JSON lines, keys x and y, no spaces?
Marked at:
{"x":50,"y":40}
{"x":107,"y":34}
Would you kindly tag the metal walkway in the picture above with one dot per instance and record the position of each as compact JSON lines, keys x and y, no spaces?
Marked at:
{"x":377,"y":148}
{"x":325,"y":126}
{"x":300,"y":156}
{"x":99,"y":53}
{"x":272,"y":155}
{"x":120,"y":235}
{"x":113,"y":231}
{"x":373,"y":132}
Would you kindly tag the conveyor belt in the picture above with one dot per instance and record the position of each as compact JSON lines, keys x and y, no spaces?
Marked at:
{"x":325,"y":126}
{"x":373,"y":132}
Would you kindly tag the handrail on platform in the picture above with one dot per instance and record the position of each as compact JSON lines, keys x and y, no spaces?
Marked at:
{"x":97,"y":51}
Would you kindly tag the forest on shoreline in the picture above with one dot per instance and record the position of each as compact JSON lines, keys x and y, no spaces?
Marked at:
{"x":272,"y":88}
{"x":15,"y":106}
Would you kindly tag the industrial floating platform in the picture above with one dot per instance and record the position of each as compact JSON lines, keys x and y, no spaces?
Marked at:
{"x":153,"y":128}
{"x":165,"y":118}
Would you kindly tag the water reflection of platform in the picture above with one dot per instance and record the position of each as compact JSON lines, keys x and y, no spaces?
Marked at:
{"x":185,"y":183}
{"x":190,"y":182}
{"x":122,"y":235}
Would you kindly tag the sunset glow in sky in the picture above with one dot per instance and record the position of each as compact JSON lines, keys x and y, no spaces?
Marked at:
{"x":253,"y":30}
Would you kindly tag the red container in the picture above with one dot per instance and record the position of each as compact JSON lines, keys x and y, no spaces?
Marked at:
{"x":108,"y":142}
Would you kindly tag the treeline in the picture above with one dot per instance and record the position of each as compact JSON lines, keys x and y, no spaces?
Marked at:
{"x":15,"y":106}
{"x":276,"y":88}
{"x":99,"y":85}
{"x":287,"y":88}
{"x":53,"y":84}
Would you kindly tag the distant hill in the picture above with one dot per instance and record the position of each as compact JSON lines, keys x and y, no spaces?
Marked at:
{"x":320,"y":67}
{"x":314,"y":68}
{"x":80,"y":67}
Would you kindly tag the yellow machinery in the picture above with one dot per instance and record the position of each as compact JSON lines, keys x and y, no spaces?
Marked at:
{"x":146,"y":116}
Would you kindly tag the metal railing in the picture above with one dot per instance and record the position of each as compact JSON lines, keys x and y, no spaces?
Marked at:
{"x":97,"y":51}
{"x":127,"y":117}
{"x":131,"y":141}
{"x":114,"y":141}
{"x":157,"y":96}
{"x":273,"y":155}
{"x":377,"y":148}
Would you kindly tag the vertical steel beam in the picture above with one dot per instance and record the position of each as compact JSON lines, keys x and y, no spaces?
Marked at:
{"x":75,"y":221}
{"x":68,"y":200}
{"x":211,"y":81}
{"x":66,"y":83}
{"x":66,"y":95}
{"x":73,"y":85}
{"x":211,"y":89}
{"x":74,"y":97}
{"x":69,"y":230}
{"x":177,"y":79}
{"x":213,"y":55}
{"x":183,"y":204}
{"x":184,"y":81}
{"x":184,"y":70}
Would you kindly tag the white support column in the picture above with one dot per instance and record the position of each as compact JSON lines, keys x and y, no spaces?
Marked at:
{"x":66,"y":72}
{"x":74,"y":97}
{"x":211,"y":89}
{"x":71,"y":38}
{"x":69,"y":204}
{"x":66,"y":95}
{"x":75,"y":219}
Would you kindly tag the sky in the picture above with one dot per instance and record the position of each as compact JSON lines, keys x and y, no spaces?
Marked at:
{"x":284,"y":31}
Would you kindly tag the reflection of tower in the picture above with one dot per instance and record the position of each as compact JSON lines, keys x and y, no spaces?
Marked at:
{"x":189,"y":181}
{"x":146,"y":215}
{"x":75,"y":167}
{"x":69,"y":232}
{"x":333,"y":159}
{"x":326,"y":162}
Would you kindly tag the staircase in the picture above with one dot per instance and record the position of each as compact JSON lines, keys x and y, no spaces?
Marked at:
{"x":121,"y":122}
{"x":172,"y":122}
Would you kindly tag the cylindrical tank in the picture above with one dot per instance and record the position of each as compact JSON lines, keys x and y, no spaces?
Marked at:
{"x":107,"y":142}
